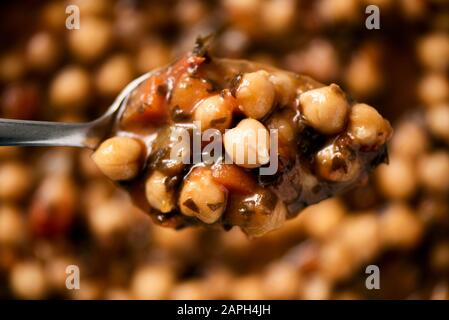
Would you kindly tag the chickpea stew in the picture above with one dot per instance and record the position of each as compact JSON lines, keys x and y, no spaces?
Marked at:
{"x":324,"y":143}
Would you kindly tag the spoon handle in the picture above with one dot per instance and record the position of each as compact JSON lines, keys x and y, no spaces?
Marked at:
{"x":42,"y":133}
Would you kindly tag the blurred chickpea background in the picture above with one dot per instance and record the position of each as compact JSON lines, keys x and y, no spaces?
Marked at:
{"x":57,"y":210}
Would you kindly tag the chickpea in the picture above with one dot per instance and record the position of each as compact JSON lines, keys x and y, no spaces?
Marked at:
{"x":248,"y":144}
{"x":281,"y":281}
{"x":190,"y":12}
{"x":321,"y":219}
{"x":433,"y":88}
{"x":189,"y":290}
{"x":400,"y":227}
{"x":109,"y":218}
{"x":27,"y":280}
{"x":15,"y":181}
{"x":58,"y":161}
{"x":152,"y":282}
{"x":319,"y":59}
{"x":152,"y":55}
{"x":129,"y":27}
{"x":284,"y":125}
{"x":92,"y":40}
{"x":92,"y":8}
{"x":114,"y":75}
{"x":263,"y":223}
{"x":247,"y":287}
{"x":336,"y":261}
{"x":433,"y":51}
{"x":119,"y":158}
{"x":42,"y":51}
{"x":397,"y":180}
{"x":315,"y":287}
{"x":361,"y":235}
{"x":255,"y":94}
{"x":336,"y":164}
{"x":285,"y":87}
{"x":367,"y":127}
{"x":202,"y":197}
{"x":95,"y":193}
{"x":325,"y":109}
{"x":70,"y":89}
{"x":233,"y":42}
{"x":241,"y":7}
{"x":363,"y":74}
{"x":218,"y":280}
{"x":333,"y":11}
{"x":158,"y":194}
{"x":433,"y":170}
{"x":277,"y":15}
{"x":258,"y":213}
{"x":437,"y":119}
{"x":12,"y":226}
{"x":242,"y":14}
{"x":409,"y":140}
{"x":214,"y":112}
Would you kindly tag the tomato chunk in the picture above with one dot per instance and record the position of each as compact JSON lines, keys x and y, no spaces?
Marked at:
{"x":234,"y":178}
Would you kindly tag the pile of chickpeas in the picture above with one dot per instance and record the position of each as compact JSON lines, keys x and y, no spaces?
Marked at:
{"x":57,"y":209}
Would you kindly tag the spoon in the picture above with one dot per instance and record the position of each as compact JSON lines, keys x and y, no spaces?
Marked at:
{"x":83,"y":135}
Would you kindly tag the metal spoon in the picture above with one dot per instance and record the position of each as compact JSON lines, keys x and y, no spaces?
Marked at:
{"x":44,"y":133}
